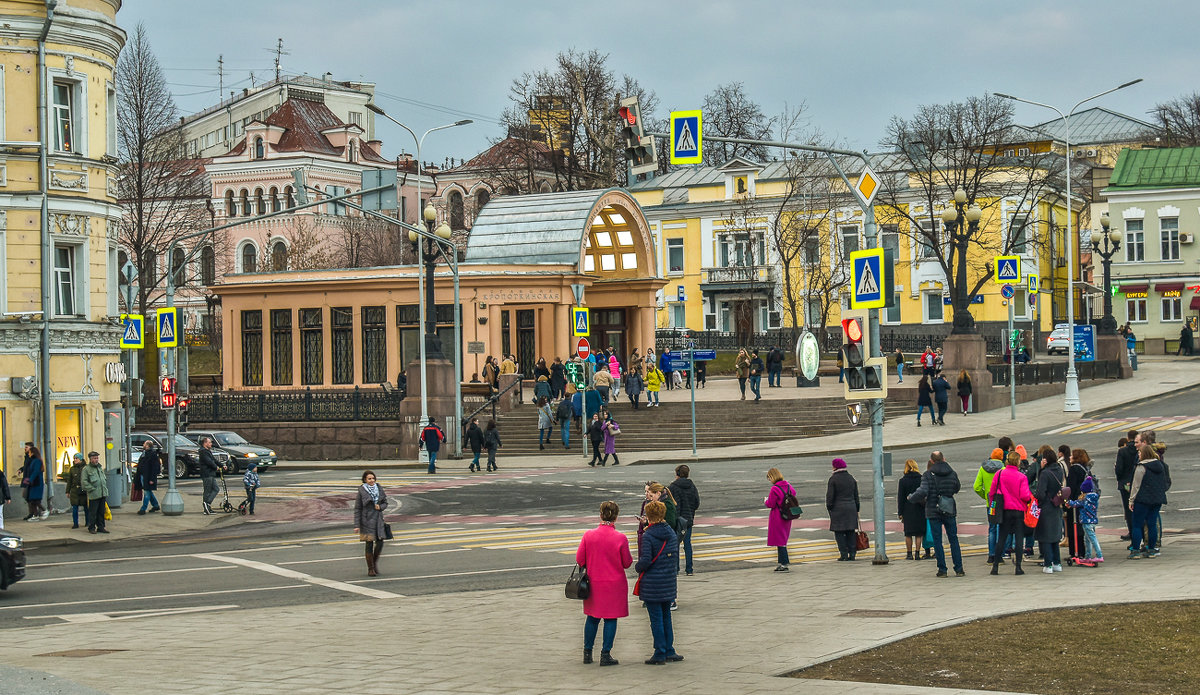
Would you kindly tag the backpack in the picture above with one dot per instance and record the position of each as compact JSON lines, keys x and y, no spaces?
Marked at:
{"x":789,"y":508}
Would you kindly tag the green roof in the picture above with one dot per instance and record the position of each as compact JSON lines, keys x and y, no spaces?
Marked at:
{"x":1157,"y":168}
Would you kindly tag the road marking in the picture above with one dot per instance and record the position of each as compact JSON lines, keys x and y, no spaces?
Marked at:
{"x":293,"y":574}
{"x":160,"y":596}
{"x":80,"y":618}
{"x":146,"y":557}
{"x":359,"y":558}
{"x":462,"y":574}
{"x":121,"y":574}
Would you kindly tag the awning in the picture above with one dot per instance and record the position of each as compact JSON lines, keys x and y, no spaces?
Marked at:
{"x":1168,"y":287}
{"x":1133,"y":288}
{"x":1195,"y":302}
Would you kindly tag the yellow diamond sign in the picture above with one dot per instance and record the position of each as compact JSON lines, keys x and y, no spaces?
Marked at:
{"x":867,"y":186}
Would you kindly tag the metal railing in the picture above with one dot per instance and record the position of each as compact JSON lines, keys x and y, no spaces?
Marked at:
{"x":495,"y":398}
{"x":1054,"y":372}
{"x":284,"y":406}
{"x":738,"y":274}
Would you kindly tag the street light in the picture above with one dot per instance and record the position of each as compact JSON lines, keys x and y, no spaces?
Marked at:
{"x":1111,"y":244}
{"x":962,"y":223}
{"x":1071,"y":397}
{"x":433,"y":344}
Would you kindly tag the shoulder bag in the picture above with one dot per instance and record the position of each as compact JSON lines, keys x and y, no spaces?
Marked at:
{"x":861,"y":541}
{"x":579,"y":586}
{"x":946,"y":506}
{"x":637,"y":586}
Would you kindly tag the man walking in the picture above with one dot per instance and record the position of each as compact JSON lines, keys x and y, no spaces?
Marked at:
{"x":1127,"y":458}
{"x":208,"y":474}
{"x":148,"y":470}
{"x":939,"y":484}
{"x":941,"y":396}
{"x":432,"y":437}
{"x":774,"y":367}
{"x":687,"y":501}
{"x":95,"y":485}
{"x":756,"y":369}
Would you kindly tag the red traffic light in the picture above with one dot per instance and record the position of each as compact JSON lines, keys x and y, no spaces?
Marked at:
{"x":627,"y":114}
{"x":167,"y":384}
{"x":169,"y":400}
{"x":852,"y":329}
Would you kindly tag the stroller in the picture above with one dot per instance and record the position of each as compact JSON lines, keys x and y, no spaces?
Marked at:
{"x":226,"y":506}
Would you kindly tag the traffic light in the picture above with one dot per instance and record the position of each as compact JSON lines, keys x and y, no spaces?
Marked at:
{"x":1014,"y":338}
{"x":640,"y":149}
{"x":167,"y":397}
{"x":865,"y":375}
{"x":184,"y":403}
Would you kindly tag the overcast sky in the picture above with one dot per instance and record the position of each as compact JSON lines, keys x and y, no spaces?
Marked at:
{"x":854,"y":64}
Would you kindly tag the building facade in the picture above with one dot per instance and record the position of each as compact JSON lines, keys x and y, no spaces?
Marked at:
{"x":76,"y":236}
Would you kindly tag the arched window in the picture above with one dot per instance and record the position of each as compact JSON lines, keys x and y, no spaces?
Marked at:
{"x":352,"y":151}
{"x":122,"y":259}
{"x":260,"y":205}
{"x":178,"y":271}
{"x":456,"y":211}
{"x":249,"y":258}
{"x":230,"y":210}
{"x":259,"y":149}
{"x":245,"y":202}
{"x":481,"y":199}
{"x":208,"y":266}
{"x":150,"y":266}
{"x":279,"y":254}
{"x":275,"y":207}
{"x":289,"y":196}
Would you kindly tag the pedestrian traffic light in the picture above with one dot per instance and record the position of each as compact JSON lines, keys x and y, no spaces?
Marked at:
{"x":640,"y":149}
{"x":1014,"y":338}
{"x":166,"y":392}
{"x":184,"y":404}
{"x":865,"y":375}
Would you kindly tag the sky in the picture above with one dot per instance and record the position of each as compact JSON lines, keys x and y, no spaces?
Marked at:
{"x":852,"y":65}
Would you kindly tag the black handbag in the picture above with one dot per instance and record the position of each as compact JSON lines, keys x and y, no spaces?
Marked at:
{"x":578,"y":585}
{"x":387,"y":532}
{"x":946,"y":506}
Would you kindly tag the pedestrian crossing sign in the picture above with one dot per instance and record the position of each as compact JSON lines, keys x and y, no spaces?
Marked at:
{"x":579,"y":322}
{"x":686,"y":138}
{"x":168,"y":327}
{"x":133,"y":333}
{"x":871,"y":280}
{"x":1008,"y":270}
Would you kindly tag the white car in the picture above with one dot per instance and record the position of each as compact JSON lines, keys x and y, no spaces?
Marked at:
{"x":1059,"y":340}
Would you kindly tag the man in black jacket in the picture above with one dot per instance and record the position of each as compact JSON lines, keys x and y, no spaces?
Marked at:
{"x":774,"y":367}
{"x":939,"y":484}
{"x":148,"y":471}
{"x":208,"y":473}
{"x":596,"y":437}
{"x":1127,"y":457}
{"x":687,"y":501}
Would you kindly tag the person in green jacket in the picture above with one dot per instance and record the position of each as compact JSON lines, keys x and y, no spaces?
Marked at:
{"x":75,"y":493}
{"x":95,"y":486}
{"x":983,"y":483}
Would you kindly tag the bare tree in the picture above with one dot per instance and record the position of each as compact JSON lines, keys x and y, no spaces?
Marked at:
{"x":1180,"y":118}
{"x":743,"y":252}
{"x":162,"y":194}
{"x":730,"y":113}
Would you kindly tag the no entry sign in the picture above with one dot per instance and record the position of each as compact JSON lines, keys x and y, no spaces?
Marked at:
{"x":583,"y":348}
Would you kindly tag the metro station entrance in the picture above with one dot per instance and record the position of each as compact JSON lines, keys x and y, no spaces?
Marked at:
{"x":610,"y":327}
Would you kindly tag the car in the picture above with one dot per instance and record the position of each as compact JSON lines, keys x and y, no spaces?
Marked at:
{"x":241,"y":452}
{"x":1059,"y":340}
{"x":12,"y":559}
{"x":187,"y":453}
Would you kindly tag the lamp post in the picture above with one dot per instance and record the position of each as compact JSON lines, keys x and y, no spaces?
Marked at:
{"x":1071,"y":397}
{"x":431,"y":342}
{"x":1111,"y":241}
{"x":962,"y":223}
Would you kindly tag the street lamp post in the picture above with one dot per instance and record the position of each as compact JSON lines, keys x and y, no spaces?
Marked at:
{"x":1111,"y":241}
{"x":962,"y":223}
{"x":1071,"y":397}
{"x":429,"y":252}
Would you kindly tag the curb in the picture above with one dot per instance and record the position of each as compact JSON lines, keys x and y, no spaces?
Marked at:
{"x":1139,"y":401}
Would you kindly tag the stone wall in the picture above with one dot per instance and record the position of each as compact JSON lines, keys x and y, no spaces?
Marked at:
{"x":320,"y":441}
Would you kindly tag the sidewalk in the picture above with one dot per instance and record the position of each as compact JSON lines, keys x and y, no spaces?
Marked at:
{"x":738,"y":630}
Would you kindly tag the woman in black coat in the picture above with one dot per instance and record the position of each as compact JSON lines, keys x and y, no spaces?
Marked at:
{"x":911,"y":513}
{"x":841,"y":500}
{"x":964,"y":390}
{"x":924,"y":399}
{"x":1050,"y":521}
{"x":558,"y":378}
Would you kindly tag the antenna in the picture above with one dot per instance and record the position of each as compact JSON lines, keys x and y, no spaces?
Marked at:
{"x":220,"y":76}
{"x":279,"y":53}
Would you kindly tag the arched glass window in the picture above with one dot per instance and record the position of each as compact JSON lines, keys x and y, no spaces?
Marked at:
{"x":275,"y":207}
{"x":208,"y":266}
{"x":279,"y":255}
{"x":259,"y":149}
{"x":230,"y":210}
{"x":178,"y":271}
{"x":481,"y":199}
{"x":289,"y":196}
{"x":245,"y":202}
{"x":456,"y":211}
{"x":352,"y":151}
{"x":260,"y":205}
{"x":249,"y":258}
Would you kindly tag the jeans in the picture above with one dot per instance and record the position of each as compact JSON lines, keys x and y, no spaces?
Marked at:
{"x":1051,"y":554}
{"x":754,"y":384}
{"x":491,"y":457}
{"x":96,"y":513}
{"x":210,"y":489}
{"x":993,"y":540}
{"x":841,"y":374}
{"x":1144,"y":515}
{"x":603,"y":391}
{"x":1125,"y":507}
{"x":941,"y":410}
{"x":921,"y":409}
{"x":251,"y":496}
{"x":668,"y":381}
{"x":935,"y":528}
{"x":589,"y":633}
{"x":544,"y":434}
{"x":660,"y":628}
{"x":433,"y":462}
{"x":742,"y":386}
{"x":781,"y":554}
{"x":564,"y":427}
{"x":900,"y":371}
{"x":685,"y":542}
{"x":773,"y":376}
{"x":149,"y":500}
{"x":475,"y":461}
{"x":652,"y":397}
{"x":1091,"y":542}
{"x":74,"y":513}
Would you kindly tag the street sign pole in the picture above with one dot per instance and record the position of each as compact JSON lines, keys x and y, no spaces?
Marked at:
{"x":1012,"y":366}
{"x":131,"y":359}
{"x":692,"y":380}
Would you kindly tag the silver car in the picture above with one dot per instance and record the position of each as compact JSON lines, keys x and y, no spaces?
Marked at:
{"x":1059,"y":340}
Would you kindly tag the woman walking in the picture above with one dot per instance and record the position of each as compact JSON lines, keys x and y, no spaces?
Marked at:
{"x":742,"y":366}
{"x":658,"y":564}
{"x":654,"y":380}
{"x":475,"y":441}
{"x":964,"y":390}
{"x":541,"y":388}
{"x":841,"y":499}
{"x":34,"y":481}
{"x":596,"y":437}
{"x":368,"y":519}
{"x":604,"y":551}
{"x":491,"y":442}
{"x":611,"y":430}
{"x":558,"y":378}
{"x":545,"y":422}
{"x":911,"y":513}
{"x":925,"y":399}
{"x":1049,"y":531}
{"x":614,"y":370}
{"x":779,"y":530}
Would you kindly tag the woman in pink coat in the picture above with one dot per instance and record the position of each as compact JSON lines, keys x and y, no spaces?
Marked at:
{"x":778,"y":528}
{"x":604,"y":551}
{"x":1014,"y":486}
{"x":614,"y":369}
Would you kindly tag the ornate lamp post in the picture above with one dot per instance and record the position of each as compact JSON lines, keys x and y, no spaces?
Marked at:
{"x":1110,"y":244}
{"x":962,"y":223}
{"x":432,"y":344}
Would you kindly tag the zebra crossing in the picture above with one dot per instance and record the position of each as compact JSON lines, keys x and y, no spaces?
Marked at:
{"x":1180,"y":424}
{"x":345,"y":486}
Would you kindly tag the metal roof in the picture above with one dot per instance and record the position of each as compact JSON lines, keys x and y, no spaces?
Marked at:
{"x":688,"y":176}
{"x":1098,"y":126}
{"x":1156,"y":168}
{"x":536,"y":228}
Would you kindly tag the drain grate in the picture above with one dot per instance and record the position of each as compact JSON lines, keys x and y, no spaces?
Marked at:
{"x":868,"y":613}
{"x":83,"y":653}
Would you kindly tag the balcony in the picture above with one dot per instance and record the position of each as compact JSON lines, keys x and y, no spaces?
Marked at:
{"x":736,"y":277}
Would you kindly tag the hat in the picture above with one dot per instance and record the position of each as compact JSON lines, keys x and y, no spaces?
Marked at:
{"x":998,"y":454}
{"x":839,"y":463}
{"x":77,"y":456}
{"x":1086,"y":486}
{"x":1021,"y":452}
{"x":252,"y":464}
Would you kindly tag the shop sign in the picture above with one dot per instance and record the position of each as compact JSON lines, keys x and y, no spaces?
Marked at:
{"x":114,"y":373}
{"x":66,"y":436}
{"x":1172,"y":293}
{"x":1136,"y":295}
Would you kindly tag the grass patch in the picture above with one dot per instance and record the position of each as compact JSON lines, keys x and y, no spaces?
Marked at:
{"x":1139,"y":648}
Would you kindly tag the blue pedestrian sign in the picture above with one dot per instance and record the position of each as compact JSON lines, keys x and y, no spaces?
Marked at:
{"x":579,"y":322}
{"x":1008,"y":269}
{"x":868,"y":279}
{"x":168,"y":327}
{"x":686,"y":138}
{"x":1033,"y":283}
{"x":133,"y":331}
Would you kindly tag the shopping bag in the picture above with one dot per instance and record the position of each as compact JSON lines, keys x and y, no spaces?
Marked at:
{"x":107,"y":512}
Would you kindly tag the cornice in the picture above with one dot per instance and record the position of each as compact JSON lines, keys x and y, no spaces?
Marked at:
{"x":77,"y":338}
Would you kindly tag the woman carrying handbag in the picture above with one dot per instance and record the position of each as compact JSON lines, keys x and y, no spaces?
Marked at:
{"x":368,"y":519}
{"x":841,"y":500}
{"x":657,"y":563}
{"x":604,"y":554}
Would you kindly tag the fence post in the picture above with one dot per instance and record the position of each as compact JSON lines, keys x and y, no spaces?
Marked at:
{"x":308,"y":403}
{"x":356,"y":391}
{"x":262,"y":407}
{"x":216,"y":406}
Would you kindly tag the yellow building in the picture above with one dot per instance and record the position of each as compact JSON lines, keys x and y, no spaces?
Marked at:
{"x":60,"y":64}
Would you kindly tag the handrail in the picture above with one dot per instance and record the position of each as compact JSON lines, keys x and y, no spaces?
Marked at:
{"x":491,"y":401}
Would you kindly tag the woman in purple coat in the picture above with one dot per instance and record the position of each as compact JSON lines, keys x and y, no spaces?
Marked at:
{"x":611,"y":430}
{"x":778,"y":528}
{"x":604,"y":551}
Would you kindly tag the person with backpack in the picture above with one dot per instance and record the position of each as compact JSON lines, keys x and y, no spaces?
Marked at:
{"x":564,"y":415}
{"x":491,"y":442}
{"x":611,"y":430}
{"x":688,"y":498}
{"x":1009,"y":495}
{"x":841,"y":500}
{"x":779,"y":527}
{"x":251,"y":481}
{"x":545,"y":422}
{"x":1087,"y":505}
{"x":432,"y":437}
{"x":654,"y":382}
{"x":475,"y":441}
{"x":939,"y":485}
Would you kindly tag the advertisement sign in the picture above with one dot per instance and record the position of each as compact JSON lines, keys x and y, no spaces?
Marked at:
{"x":1085,"y":343}
{"x":67,"y":439}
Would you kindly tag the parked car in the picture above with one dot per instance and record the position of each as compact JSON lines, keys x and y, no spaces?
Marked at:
{"x":12,"y":559}
{"x":187,"y":453}
{"x":1059,"y":340}
{"x":241,"y":452}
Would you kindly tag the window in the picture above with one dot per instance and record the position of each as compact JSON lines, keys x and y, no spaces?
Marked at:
{"x":1020,"y":303}
{"x":481,"y":199}
{"x":259,"y":149}
{"x":1169,"y":233}
{"x":678,"y":315}
{"x":889,"y":235}
{"x":674,"y":255}
{"x":1018,"y":233}
{"x":1172,"y":309}
{"x":1023,"y":152}
{"x":150,"y":267}
{"x":252,"y":348}
{"x":178,"y":267}
{"x":230,"y":206}
{"x":274,"y":194}
{"x":812,"y":312}
{"x":245,"y":203}
{"x":208,"y":266}
{"x":65,"y":283}
{"x":849,"y":242}
{"x":891,"y":314}
{"x":281,"y":347}
{"x":1135,"y":242}
{"x":289,"y":197}
{"x":456,"y":210}
{"x":929,"y":235}
{"x":356,"y":117}
{"x":933,"y":307}
{"x":312,"y":347}
{"x":741,"y":249}
{"x":249,"y":258}
{"x":1135,"y":310}
{"x":342,"y":319}
{"x":260,"y":205}
{"x":279,"y":255}
{"x":374,"y":346}
{"x":352,"y":151}
{"x":110,"y":142}
{"x":812,"y":249}
{"x":64,"y":116}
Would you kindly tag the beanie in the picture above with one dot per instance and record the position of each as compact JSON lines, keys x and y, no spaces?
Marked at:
{"x":839,"y":463}
{"x":1021,"y":452}
{"x":998,"y":454}
{"x":1086,"y":486}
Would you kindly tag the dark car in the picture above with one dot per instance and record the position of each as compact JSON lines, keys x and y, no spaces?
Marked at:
{"x":187,"y":453}
{"x":241,"y":452}
{"x":12,"y":559}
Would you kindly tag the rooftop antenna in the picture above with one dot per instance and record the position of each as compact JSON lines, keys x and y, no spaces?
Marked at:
{"x":251,"y":79}
{"x":220,"y":76}
{"x":279,"y":53}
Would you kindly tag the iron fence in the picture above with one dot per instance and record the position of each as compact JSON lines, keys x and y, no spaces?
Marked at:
{"x":785,"y":338}
{"x":284,"y":406}
{"x":1054,"y":372}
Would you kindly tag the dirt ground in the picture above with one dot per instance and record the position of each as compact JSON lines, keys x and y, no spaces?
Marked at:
{"x":1138,"y":648}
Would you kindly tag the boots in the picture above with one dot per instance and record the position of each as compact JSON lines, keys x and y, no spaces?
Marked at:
{"x":375,"y":556}
{"x":371,"y":563}
{"x":587,"y":656}
{"x":607,"y":660}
